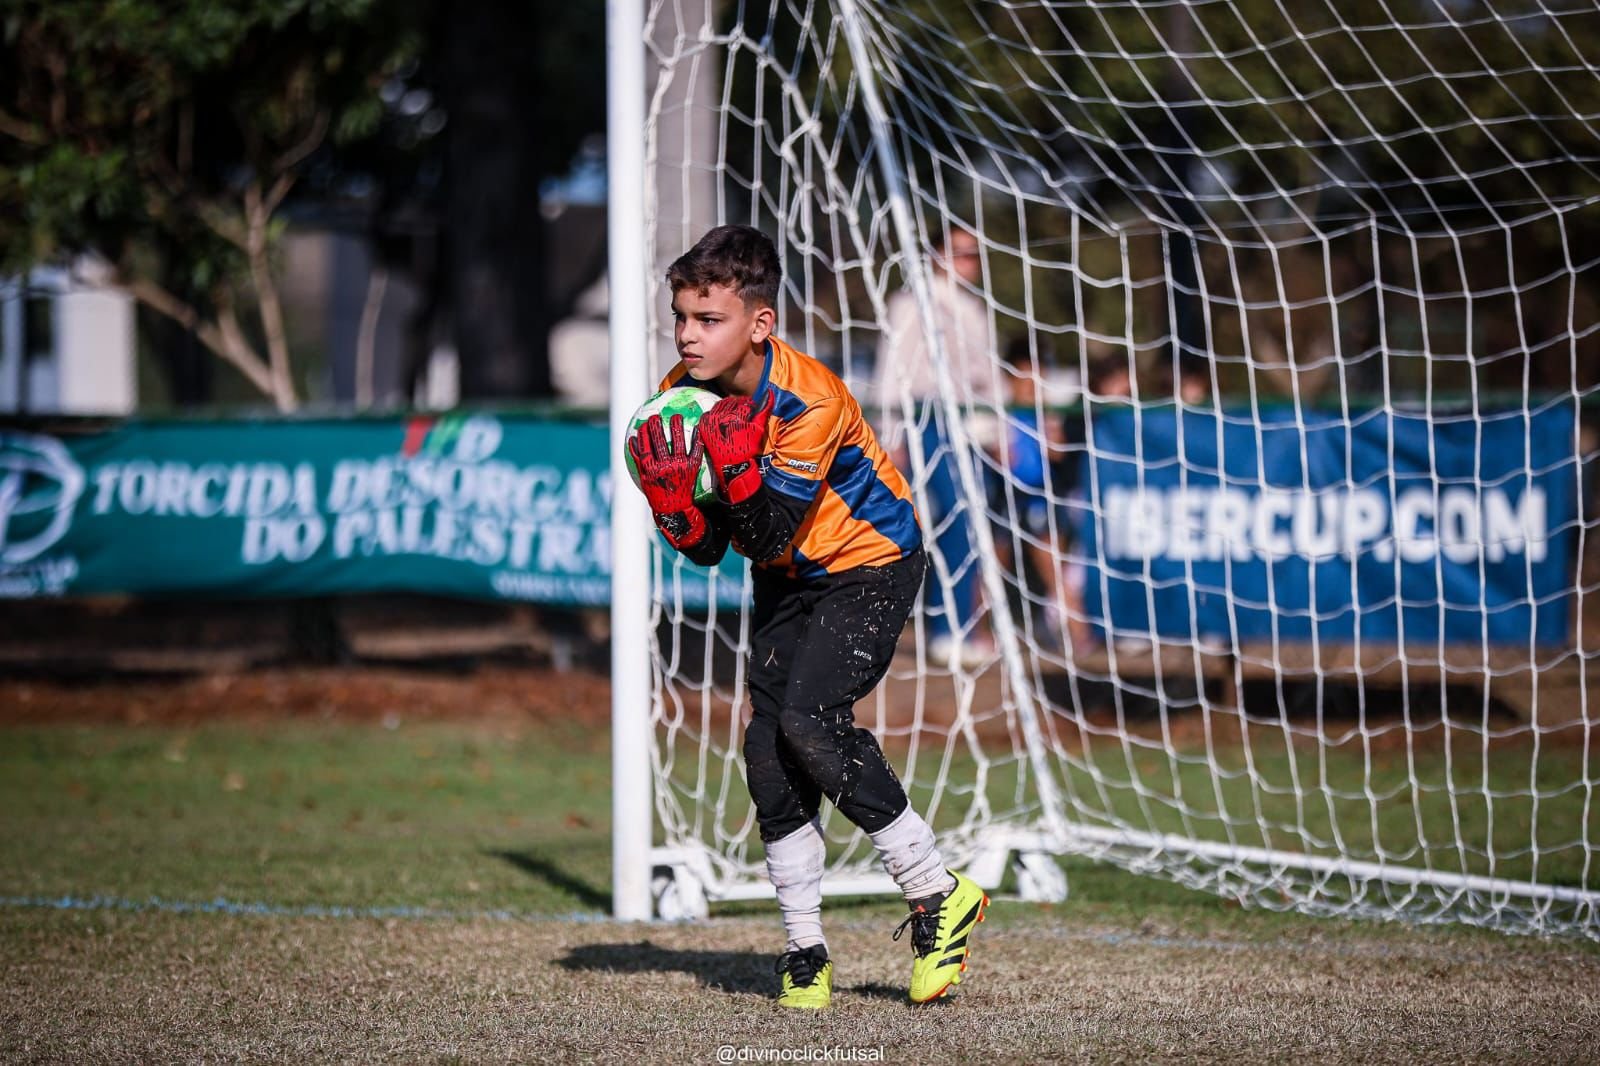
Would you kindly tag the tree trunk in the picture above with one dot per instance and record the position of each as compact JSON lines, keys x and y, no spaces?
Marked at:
{"x":495,"y":160}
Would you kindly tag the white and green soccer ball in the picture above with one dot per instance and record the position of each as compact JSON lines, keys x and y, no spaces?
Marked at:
{"x":691,"y":403}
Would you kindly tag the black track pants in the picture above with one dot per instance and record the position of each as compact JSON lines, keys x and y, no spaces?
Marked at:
{"x":818,"y":647}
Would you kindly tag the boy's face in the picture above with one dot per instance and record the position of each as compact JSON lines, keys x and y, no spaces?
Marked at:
{"x":719,"y":338}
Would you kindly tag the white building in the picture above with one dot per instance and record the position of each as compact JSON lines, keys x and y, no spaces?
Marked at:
{"x":67,"y":344}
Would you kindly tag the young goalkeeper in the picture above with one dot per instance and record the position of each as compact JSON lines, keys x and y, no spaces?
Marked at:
{"x":807,"y":494}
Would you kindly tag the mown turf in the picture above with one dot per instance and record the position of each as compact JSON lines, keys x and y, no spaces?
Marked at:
{"x":428,"y":815}
{"x":468,"y":818}
{"x":1516,"y":810}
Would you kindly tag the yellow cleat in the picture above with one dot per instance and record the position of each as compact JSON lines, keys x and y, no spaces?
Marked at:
{"x":941,"y":935}
{"x":807,"y":978}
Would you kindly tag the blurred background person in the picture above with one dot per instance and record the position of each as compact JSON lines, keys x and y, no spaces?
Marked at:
{"x":1031,"y":459}
{"x":1108,"y":376}
{"x":905,"y":366}
{"x":1192,"y":384}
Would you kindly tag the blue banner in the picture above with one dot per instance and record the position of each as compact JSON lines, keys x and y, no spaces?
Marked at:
{"x":1391,"y":526}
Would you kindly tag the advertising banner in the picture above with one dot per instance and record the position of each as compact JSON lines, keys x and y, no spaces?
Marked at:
{"x":1392,"y":525}
{"x":482,"y":506}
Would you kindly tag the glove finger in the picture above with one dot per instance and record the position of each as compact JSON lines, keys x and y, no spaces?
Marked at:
{"x":679,"y":447}
{"x":635,"y":446}
{"x":729,"y":411}
{"x":658,"y":437}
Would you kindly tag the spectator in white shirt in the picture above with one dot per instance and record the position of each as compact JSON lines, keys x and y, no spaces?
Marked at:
{"x":905,"y":369}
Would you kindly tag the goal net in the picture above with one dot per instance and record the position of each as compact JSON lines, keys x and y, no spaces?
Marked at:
{"x":1243,"y":356}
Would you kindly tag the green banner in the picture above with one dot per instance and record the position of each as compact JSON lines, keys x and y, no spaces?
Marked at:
{"x":488,"y":506}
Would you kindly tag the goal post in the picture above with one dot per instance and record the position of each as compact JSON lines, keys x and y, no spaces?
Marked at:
{"x":1255,"y":459}
{"x":629,"y":286}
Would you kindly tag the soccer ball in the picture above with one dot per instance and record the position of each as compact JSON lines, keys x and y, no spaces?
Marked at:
{"x":691,"y":403}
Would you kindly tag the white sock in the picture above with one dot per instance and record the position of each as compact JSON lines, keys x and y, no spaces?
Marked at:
{"x":794,"y":866}
{"x":909,"y":853}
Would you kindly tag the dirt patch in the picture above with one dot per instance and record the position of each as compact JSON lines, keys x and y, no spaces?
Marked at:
{"x":425,"y":658}
{"x":359,"y":658}
{"x":143,"y":988}
{"x":499,"y":695}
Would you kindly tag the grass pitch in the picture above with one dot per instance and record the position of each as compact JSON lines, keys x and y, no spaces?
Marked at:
{"x":434,"y":891}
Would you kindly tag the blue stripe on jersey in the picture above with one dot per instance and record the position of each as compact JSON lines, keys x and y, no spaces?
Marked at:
{"x":758,"y":397}
{"x":793,"y":485}
{"x":804,"y":567}
{"x":786,"y":407}
{"x":870,"y":500}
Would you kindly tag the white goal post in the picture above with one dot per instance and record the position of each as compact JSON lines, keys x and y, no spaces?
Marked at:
{"x":1256,"y":448}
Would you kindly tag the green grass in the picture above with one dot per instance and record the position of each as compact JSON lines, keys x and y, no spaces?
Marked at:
{"x":1444,"y":803}
{"x":297,"y":814}
{"x":1457,"y":811}
{"x":471,"y":820}
{"x":454,"y":817}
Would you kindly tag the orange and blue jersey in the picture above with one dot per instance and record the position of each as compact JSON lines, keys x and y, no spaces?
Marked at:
{"x":821,"y":452}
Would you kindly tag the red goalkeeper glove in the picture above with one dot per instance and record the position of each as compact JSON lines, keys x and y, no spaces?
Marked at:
{"x":667,"y":473}
{"x":733,"y":432}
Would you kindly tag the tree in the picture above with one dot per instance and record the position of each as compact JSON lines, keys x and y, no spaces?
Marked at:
{"x":524,"y":84}
{"x":165,"y":137}
{"x":1293,"y":150}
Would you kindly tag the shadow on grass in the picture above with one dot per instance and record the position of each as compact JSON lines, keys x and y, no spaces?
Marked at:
{"x":734,"y":972}
{"x":874,"y":990}
{"x":724,"y":971}
{"x":533,"y":863}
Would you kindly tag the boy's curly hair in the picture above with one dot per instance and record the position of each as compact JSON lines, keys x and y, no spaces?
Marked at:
{"x":740,"y":257}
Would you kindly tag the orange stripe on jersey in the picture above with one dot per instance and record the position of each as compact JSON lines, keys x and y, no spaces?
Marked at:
{"x":820,"y":450}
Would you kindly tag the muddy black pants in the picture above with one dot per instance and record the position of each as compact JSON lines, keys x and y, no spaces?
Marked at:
{"x":819,"y":646}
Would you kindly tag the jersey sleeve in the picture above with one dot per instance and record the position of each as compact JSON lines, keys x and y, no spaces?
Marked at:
{"x":803,"y":450}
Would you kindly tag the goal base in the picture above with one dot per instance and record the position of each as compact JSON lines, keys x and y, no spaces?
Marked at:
{"x":684,"y":883}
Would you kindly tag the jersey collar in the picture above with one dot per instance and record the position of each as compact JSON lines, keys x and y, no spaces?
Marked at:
{"x":760,"y":395}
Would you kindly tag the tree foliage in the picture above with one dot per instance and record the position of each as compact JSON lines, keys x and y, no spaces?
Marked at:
{"x":164,"y":137}
{"x":1291,"y":150}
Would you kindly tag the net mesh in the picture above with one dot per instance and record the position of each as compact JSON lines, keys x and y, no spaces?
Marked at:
{"x":1243,"y":359}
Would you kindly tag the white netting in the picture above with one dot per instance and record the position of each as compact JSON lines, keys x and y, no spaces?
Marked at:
{"x":1256,"y":451}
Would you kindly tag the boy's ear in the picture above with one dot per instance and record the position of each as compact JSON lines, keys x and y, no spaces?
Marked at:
{"x":765,"y":319}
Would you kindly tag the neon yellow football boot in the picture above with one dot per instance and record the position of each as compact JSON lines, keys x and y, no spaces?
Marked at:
{"x":807,"y":978}
{"x":941,"y":937}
